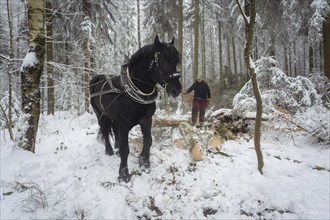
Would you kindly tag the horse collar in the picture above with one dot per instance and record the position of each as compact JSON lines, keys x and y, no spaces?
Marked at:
{"x":135,"y":93}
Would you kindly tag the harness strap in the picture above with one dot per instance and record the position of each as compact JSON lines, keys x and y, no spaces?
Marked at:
{"x":137,"y":96}
{"x":103,"y":92}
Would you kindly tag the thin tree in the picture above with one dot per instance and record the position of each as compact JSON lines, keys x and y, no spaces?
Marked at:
{"x":32,"y":68}
{"x":221,"y":72}
{"x":86,"y":50}
{"x":138,"y":23}
{"x":10,"y":84}
{"x":203,"y":40}
{"x":196,"y":38}
{"x":250,"y":7}
{"x":49,"y":52}
{"x":180,"y":34}
{"x":326,"y":45}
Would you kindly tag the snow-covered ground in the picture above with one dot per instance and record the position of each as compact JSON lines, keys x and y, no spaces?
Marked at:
{"x":70,"y":177}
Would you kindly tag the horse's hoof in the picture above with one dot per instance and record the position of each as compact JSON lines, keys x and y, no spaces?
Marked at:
{"x":144,"y":164}
{"x":117,"y":145}
{"x":109,"y":152}
{"x":124,"y":175}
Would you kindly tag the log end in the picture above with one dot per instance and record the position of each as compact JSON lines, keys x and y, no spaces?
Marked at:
{"x":214,"y":143}
{"x":138,"y":143}
{"x":179,"y":143}
{"x":196,"y":154}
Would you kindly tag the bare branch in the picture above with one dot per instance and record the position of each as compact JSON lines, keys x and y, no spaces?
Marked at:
{"x":246,"y":19}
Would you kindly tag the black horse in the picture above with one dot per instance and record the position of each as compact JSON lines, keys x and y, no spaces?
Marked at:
{"x":124,"y":101}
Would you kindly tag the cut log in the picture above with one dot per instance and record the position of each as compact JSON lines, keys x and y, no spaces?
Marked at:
{"x":138,"y":143}
{"x":177,"y":139}
{"x":214,"y":143}
{"x":159,"y":122}
{"x":195,"y":145}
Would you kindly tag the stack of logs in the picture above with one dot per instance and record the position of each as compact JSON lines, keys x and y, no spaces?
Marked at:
{"x":186,"y":137}
{"x":208,"y":138}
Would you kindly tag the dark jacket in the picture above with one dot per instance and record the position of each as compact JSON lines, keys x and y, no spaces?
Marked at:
{"x":201,"y":89}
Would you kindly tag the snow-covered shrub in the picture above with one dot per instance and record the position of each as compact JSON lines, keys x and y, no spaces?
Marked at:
{"x":277,"y":89}
{"x":16,"y":109}
{"x":20,"y":130}
{"x":322,"y":85}
{"x":315,"y":120}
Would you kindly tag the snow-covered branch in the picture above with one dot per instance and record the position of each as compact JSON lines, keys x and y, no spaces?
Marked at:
{"x":246,"y":18}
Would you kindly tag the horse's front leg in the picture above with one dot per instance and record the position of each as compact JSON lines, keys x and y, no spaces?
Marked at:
{"x":144,"y":159}
{"x":123,"y":151}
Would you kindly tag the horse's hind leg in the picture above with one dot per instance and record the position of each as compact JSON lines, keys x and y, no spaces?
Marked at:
{"x":105,"y":133}
{"x":144,"y":159}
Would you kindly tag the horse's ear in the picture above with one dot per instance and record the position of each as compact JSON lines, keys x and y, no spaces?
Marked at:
{"x":172,"y":42}
{"x":157,"y":42}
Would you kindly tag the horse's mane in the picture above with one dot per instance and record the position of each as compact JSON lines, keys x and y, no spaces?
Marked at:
{"x":146,"y":53}
{"x":143,"y":54}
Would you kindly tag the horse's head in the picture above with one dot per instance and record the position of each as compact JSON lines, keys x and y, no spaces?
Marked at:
{"x":163,"y":66}
{"x":156,"y":64}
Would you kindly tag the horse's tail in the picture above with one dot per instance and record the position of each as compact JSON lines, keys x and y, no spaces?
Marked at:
{"x":106,"y":129}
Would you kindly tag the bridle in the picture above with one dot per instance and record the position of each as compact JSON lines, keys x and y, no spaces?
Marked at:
{"x":169,"y":76}
{"x":135,"y":93}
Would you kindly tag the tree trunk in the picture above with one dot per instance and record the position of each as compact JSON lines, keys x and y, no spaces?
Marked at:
{"x":321,"y":56}
{"x":31,"y":72}
{"x":272,"y":46}
{"x":50,"y":68}
{"x":180,"y":37}
{"x":229,"y":57}
{"x":203,"y":44}
{"x":256,"y":52}
{"x":286,"y":67}
{"x":326,"y":45}
{"x":311,"y":59}
{"x":138,"y":23}
{"x":234,"y":56}
{"x":222,"y":78}
{"x":290,"y":61}
{"x":212,"y":59}
{"x":251,"y":7}
{"x":86,"y":59}
{"x":295,"y":67}
{"x":10,"y":71}
{"x":196,"y":33}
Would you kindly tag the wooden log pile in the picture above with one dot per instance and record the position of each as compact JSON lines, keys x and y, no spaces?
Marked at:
{"x":187,"y":137}
{"x":224,"y":126}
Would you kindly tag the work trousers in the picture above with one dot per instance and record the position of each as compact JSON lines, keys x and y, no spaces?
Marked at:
{"x":199,"y":106}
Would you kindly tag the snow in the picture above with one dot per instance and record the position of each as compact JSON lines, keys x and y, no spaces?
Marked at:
{"x":70,"y":177}
{"x":30,"y":60}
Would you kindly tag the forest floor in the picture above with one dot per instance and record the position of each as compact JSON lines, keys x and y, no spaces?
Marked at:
{"x":70,"y":177}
